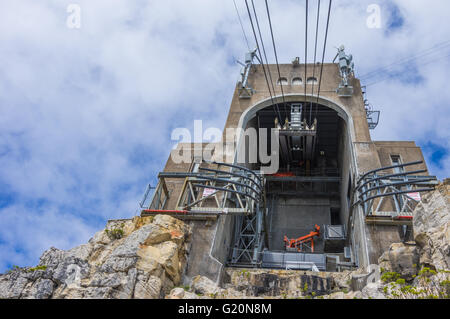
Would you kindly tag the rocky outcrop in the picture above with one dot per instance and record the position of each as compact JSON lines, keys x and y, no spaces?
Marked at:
{"x":402,"y":259}
{"x":432,"y":227}
{"x":269,"y":283}
{"x":405,"y":271}
{"x":145,"y":258}
{"x":265,"y":282}
{"x":134,"y":258}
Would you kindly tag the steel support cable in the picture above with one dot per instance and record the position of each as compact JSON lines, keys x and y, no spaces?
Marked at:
{"x":265,"y":56}
{"x":386,"y":70}
{"x":260,"y":56}
{"x":388,"y":76}
{"x":242,"y":26}
{"x":306,"y":52}
{"x":323,"y":53}
{"x":436,"y":47}
{"x":276,"y":57}
{"x":315,"y":54}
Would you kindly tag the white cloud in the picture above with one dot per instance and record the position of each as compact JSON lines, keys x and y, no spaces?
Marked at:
{"x":86,"y":114}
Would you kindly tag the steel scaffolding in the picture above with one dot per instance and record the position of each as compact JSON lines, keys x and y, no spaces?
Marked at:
{"x":376,"y":191}
{"x":209,"y":193}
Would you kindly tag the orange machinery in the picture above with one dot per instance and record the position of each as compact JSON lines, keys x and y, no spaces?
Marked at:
{"x":297,"y":243}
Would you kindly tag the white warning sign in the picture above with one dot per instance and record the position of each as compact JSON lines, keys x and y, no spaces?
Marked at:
{"x":415,"y":196}
{"x":208,"y":191}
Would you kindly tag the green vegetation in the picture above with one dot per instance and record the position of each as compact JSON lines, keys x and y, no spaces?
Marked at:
{"x":390,"y":276}
{"x":27,"y":269}
{"x":427,"y":272}
{"x":426,"y":287}
{"x":400,"y":281}
{"x":244,"y":273}
{"x":305,"y":287}
{"x":43,"y":267}
{"x":115,"y":233}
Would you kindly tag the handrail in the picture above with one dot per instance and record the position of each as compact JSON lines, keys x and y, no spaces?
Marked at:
{"x":390,"y":175}
{"x":398,"y":184}
{"x":388,"y":167}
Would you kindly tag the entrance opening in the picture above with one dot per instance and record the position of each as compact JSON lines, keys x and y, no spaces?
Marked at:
{"x":305,"y":209}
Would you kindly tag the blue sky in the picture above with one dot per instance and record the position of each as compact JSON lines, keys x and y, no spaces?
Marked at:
{"x":86,"y":114}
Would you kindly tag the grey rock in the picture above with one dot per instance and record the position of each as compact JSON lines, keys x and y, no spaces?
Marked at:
{"x":432,"y":228}
{"x":42,"y":289}
{"x":81,"y":252}
{"x":372,"y":291}
{"x":130,"y":245}
{"x":101,"y":279}
{"x":148,"y":288}
{"x":205,"y":286}
{"x":71,"y":270}
{"x":12,"y":285}
{"x":404,"y":259}
{"x":115,"y":264}
{"x":143,"y":264}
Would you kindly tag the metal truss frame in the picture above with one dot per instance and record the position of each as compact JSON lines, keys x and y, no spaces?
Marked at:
{"x":210,"y":192}
{"x":374,"y":189}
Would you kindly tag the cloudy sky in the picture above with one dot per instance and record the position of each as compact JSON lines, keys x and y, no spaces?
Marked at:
{"x":86,"y":113}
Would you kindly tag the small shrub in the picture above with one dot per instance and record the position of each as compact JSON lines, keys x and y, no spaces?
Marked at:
{"x":305,"y":287}
{"x":400,"y":281}
{"x":43,"y":267}
{"x":115,"y":233}
{"x":390,"y":276}
{"x":427,"y":272}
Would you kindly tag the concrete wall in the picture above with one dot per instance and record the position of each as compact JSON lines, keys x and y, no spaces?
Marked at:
{"x":358,"y":154}
{"x":380,"y":237}
{"x":345,"y":163}
{"x":408,"y":151}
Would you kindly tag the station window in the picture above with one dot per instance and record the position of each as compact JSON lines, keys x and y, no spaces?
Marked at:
{"x":297,"y":81}
{"x":311,"y":80}
{"x":396,"y":160}
{"x":282,"y":81}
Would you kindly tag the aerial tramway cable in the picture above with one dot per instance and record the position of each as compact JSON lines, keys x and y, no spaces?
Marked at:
{"x":315,"y":54}
{"x":242,"y":26}
{"x":276,"y":58}
{"x":306,"y":52}
{"x":323,"y":53}
{"x":265,"y":56}
{"x":260,"y":56}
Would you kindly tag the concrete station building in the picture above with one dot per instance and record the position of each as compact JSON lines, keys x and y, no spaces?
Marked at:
{"x":327,"y":177}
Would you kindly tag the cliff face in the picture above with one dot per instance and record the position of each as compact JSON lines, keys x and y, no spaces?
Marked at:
{"x":138,"y":258}
{"x":145,"y":258}
{"x":432,"y":227}
{"x":420,"y":269}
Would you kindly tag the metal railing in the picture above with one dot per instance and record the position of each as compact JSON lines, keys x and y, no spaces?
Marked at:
{"x":374,"y":189}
